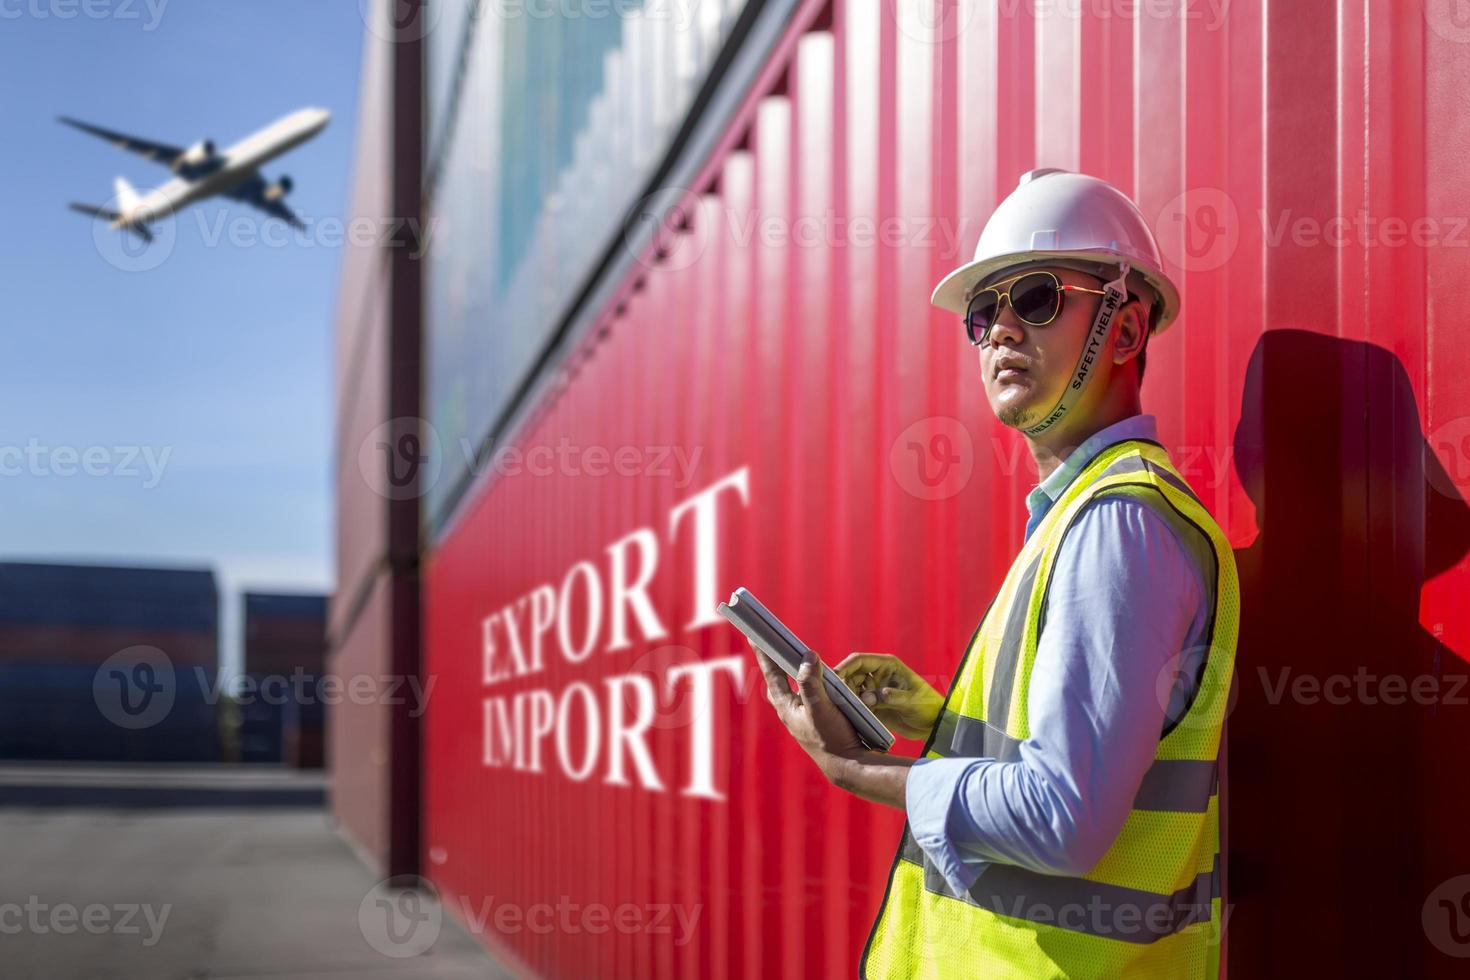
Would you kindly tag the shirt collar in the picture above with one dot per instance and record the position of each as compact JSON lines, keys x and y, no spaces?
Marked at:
{"x":1044,"y":494}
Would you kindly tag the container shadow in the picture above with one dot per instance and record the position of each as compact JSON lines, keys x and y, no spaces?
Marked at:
{"x":1347,"y":804}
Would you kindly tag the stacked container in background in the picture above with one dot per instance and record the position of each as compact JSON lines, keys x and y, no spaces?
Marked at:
{"x":108,"y":663}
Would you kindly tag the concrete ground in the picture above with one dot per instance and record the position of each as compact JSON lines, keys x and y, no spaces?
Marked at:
{"x":166,"y":872}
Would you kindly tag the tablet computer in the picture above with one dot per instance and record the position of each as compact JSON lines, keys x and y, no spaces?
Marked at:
{"x":771,"y":637}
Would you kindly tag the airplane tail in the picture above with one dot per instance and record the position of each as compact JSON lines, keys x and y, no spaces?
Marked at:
{"x":93,"y":211}
{"x":127,"y":198}
{"x":107,"y":214}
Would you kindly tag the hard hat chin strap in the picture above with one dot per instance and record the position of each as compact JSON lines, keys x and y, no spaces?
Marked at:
{"x":1116,"y":293}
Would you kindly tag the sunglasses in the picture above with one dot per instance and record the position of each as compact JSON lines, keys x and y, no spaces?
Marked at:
{"x":1035,"y":296}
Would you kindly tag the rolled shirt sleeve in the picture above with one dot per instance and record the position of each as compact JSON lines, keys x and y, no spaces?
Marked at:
{"x":1125,"y":601}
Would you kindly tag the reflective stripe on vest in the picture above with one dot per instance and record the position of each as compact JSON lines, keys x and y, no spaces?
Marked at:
{"x":1151,"y":906}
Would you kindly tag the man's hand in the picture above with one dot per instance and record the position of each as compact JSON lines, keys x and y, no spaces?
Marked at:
{"x":810,"y":716}
{"x":900,"y":698}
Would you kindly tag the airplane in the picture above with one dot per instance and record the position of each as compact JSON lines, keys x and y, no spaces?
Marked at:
{"x":203,"y":171}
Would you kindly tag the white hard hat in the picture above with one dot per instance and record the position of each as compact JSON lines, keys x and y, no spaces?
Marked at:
{"x":1072,"y":218}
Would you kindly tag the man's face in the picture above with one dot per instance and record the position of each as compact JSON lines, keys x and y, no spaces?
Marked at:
{"x":1026,"y":368}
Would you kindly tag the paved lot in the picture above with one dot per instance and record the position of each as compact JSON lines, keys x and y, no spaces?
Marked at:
{"x":163,"y":873}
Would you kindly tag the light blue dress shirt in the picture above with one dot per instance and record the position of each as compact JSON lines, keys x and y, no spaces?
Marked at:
{"x":1125,"y":601}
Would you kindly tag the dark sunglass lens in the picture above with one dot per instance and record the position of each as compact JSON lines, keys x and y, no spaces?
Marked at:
{"x":980,"y":316}
{"x":1035,"y":298}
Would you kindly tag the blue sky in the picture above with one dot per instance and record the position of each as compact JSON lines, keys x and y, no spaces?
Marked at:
{"x":198,"y":392}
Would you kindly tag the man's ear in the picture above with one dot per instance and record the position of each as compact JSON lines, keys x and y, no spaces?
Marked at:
{"x":1130,"y":331}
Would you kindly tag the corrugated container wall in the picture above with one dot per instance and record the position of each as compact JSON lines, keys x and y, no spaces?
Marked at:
{"x":772,"y":403}
{"x":372,"y":619}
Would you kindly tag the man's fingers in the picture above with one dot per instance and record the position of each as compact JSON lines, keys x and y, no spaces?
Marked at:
{"x":778,"y":692}
{"x":870,"y":671}
{"x":775,"y":677}
{"x":809,"y":679}
{"x":857,"y":682}
{"x":892,"y":696}
{"x":862,"y":663}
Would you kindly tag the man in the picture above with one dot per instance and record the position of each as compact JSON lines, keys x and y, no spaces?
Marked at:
{"x":1063,"y":818}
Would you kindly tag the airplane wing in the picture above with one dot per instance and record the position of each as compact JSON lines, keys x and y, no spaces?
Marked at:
{"x":157,"y":152}
{"x":256,"y":193}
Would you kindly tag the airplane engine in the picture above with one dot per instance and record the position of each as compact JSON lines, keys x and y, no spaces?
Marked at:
{"x":201,"y":152}
{"x":280,"y":189}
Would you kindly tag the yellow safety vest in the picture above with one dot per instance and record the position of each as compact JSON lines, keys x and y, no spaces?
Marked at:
{"x":1151,"y":906}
